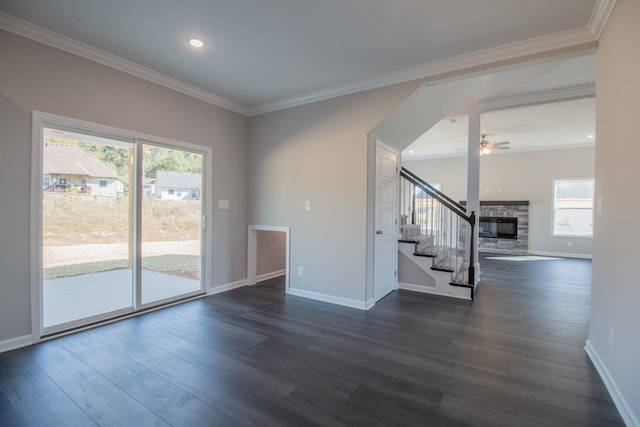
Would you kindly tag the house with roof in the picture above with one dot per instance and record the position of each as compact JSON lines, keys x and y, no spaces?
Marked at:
{"x":66,"y":167}
{"x":171,"y":185}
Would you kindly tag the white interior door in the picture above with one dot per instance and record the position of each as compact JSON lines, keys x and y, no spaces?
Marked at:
{"x":386,"y":240}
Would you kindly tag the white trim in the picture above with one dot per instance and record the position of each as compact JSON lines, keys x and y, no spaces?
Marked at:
{"x":560,"y":254}
{"x":430,"y":290}
{"x":137,"y":139}
{"x":379,"y":144}
{"x":51,"y":38}
{"x":415,"y":288}
{"x":252,"y":250}
{"x":227,"y":287}
{"x":482,"y":58}
{"x":346,"y":302}
{"x":267,"y":276}
{"x":599,"y":17}
{"x":537,"y":98}
{"x":567,"y":40}
{"x":626,"y":412}
{"x":35,"y":226}
{"x":369,"y":304}
{"x":14,"y":343}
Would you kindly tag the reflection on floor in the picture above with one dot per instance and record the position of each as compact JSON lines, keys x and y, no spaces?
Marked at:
{"x":72,"y":298}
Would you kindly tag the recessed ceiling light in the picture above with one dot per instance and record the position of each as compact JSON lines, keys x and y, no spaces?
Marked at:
{"x":410,"y":151}
{"x":196,"y":42}
{"x":590,"y":136}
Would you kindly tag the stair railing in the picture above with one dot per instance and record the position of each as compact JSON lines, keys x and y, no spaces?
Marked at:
{"x":437,"y":225}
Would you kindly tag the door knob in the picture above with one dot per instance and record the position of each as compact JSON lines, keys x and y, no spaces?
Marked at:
{"x":378,"y":231}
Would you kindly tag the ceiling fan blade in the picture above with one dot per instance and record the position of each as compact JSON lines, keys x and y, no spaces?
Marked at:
{"x":500,"y":147}
{"x":500,"y":143}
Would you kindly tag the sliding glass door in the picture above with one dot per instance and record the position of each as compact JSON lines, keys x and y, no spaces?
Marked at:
{"x":86,"y":227}
{"x":122,"y":225}
{"x":171,"y":223}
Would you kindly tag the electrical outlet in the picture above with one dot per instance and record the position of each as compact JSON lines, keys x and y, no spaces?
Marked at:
{"x":570,"y":243}
{"x":300,"y":271}
{"x":610,"y":337}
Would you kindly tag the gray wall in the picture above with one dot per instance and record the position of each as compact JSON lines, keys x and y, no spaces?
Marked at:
{"x":518,"y":176}
{"x":34,"y":76}
{"x":615,"y":293}
{"x":318,"y":152}
{"x":271,"y":249}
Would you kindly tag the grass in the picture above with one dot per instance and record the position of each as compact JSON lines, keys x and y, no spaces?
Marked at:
{"x":75,"y":219}
{"x":176,"y":265}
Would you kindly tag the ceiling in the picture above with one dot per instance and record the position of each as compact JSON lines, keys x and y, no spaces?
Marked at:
{"x":265,"y":55}
{"x":541,"y":106}
{"x":262,"y":55}
{"x":559,"y":125}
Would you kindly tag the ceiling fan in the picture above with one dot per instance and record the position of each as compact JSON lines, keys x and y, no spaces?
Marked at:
{"x":486,"y":147}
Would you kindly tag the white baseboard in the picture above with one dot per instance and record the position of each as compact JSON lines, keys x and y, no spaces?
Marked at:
{"x":561,"y":254}
{"x":416,"y":288}
{"x":223,"y":288}
{"x":432,"y":291}
{"x":347,"y":302}
{"x":630,"y":419}
{"x":271,"y":275}
{"x":17,"y":342}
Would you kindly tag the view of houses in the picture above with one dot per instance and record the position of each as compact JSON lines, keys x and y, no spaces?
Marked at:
{"x":67,"y":167}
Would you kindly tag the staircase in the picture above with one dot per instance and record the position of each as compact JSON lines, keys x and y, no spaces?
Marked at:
{"x":433,"y":254}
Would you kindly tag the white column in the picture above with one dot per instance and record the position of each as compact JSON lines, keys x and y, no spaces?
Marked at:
{"x":473,"y":178}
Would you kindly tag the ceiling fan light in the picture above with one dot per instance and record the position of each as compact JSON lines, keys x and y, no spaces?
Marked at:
{"x":485,"y":150}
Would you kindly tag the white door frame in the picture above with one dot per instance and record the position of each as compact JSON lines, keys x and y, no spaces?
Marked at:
{"x":372,"y":153}
{"x":39,"y":121}
{"x":252,"y":252}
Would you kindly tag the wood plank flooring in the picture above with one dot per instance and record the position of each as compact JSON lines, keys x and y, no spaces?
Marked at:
{"x":255,"y":356}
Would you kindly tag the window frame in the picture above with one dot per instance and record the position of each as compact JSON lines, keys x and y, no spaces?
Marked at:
{"x":554,"y":183}
{"x":42,"y":120}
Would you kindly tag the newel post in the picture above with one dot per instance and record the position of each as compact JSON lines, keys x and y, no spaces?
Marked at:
{"x":472,"y":252}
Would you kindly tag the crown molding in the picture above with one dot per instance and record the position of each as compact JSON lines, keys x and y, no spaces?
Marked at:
{"x":600,"y":16}
{"x":537,"y":98}
{"x":51,"y":38}
{"x":510,"y":52}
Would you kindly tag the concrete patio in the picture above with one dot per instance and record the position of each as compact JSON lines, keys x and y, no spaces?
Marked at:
{"x":78,"y":297}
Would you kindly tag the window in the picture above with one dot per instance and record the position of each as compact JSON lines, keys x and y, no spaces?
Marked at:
{"x":171,"y":191}
{"x":573,"y":207}
{"x":103,"y":183}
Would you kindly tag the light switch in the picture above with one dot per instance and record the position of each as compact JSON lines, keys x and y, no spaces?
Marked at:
{"x":599,"y":206}
{"x":307,"y":205}
{"x":223,"y":204}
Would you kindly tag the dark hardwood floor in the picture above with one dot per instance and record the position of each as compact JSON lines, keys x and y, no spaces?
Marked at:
{"x":255,"y":356}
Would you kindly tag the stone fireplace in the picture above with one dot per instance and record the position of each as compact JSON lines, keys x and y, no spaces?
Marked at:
{"x":503,"y":226}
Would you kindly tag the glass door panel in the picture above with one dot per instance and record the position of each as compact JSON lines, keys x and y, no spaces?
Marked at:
{"x":86,"y":228}
{"x":171,"y":231}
